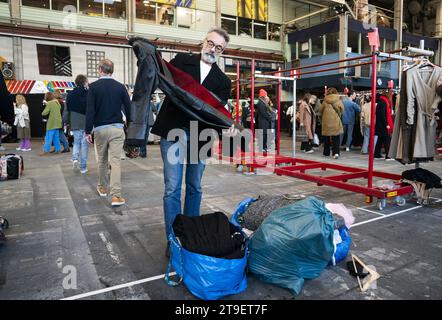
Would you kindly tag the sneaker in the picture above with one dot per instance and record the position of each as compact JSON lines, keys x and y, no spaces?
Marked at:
{"x":310,"y":151}
{"x":336,"y":156}
{"x":389,"y":159}
{"x":28,"y":149}
{"x":84,"y":171}
{"x":66,"y":150}
{"x":347,"y":149}
{"x":118,"y":201}
{"x":19,"y":149}
{"x":75,"y":165}
{"x":2,"y":148}
{"x":102,"y":191}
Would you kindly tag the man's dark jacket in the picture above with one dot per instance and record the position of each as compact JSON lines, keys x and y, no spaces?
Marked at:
{"x":170,"y":116}
{"x":263,"y":116}
{"x":183,"y":93}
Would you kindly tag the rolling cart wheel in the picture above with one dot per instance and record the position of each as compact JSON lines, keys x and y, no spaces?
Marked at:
{"x":4,"y":223}
{"x":401,"y":201}
{"x":381,"y":204}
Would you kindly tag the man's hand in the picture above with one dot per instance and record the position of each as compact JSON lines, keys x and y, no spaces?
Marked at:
{"x":231,"y":132}
{"x":89,"y":138}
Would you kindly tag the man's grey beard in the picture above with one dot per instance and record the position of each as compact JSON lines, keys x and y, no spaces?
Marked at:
{"x":209,"y":57}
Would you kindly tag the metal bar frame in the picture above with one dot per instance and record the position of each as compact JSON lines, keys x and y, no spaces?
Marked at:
{"x":297,"y":167}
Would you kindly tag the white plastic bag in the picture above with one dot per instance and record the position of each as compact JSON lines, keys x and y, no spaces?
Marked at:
{"x":316,"y":140}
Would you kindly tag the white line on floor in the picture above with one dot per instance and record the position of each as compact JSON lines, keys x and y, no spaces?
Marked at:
{"x":388,"y":215}
{"x":371,"y":211}
{"x":120,"y":286}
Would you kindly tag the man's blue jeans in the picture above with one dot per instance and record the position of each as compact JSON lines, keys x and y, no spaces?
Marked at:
{"x":52,"y":136}
{"x":173,"y":154}
{"x":349,"y":129}
{"x":81,"y":148}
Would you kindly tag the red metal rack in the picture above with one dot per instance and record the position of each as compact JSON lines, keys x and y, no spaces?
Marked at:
{"x":296,"y":167}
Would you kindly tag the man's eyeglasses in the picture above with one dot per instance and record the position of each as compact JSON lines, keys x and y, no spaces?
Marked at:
{"x":211,"y":44}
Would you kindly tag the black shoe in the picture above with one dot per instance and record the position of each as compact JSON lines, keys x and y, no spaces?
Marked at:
{"x":66,"y":150}
{"x":167,"y":253}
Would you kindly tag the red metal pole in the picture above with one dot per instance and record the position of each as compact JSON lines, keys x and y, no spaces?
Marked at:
{"x":252,"y":108}
{"x":278,"y":128}
{"x":237,"y":92}
{"x":373,"y":115}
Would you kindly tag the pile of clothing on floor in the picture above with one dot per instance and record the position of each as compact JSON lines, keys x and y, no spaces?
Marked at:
{"x":282,"y":240}
{"x":293,"y":238}
{"x":259,"y":209}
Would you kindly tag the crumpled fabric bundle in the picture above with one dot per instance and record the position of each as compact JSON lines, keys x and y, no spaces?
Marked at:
{"x":259,"y":210}
{"x":341,"y":211}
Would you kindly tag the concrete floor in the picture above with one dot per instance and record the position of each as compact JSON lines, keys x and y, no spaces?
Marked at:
{"x":58,"y":220}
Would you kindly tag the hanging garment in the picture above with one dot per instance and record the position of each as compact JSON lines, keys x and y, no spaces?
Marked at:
{"x":415,"y":124}
{"x":421,"y":85}
{"x":184,"y":93}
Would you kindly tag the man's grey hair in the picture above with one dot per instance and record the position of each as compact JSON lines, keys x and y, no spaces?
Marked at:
{"x":223,"y":33}
{"x":106,"y":66}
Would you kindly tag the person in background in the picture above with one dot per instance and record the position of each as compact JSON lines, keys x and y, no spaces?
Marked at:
{"x":23,"y":123}
{"x":307,"y":121}
{"x":365,"y":124}
{"x":246,"y":118}
{"x":263,"y":117}
{"x":316,"y":105}
{"x":63,"y":139}
{"x":383,"y":126}
{"x":53,"y":125}
{"x":331,"y":112}
{"x":104,"y":115}
{"x":349,"y":117}
{"x":74,"y":116}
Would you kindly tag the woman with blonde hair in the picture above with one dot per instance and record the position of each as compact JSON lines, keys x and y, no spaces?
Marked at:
{"x":53,"y":125}
{"x":23,"y":123}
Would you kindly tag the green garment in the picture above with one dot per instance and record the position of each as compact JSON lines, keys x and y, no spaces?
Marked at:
{"x":53,"y":108}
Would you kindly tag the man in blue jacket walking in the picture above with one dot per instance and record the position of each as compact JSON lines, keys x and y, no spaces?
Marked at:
{"x":349,"y":117}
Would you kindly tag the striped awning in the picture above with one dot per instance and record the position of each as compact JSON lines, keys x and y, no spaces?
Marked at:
{"x":33,"y":86}
{"x":19,"y":86}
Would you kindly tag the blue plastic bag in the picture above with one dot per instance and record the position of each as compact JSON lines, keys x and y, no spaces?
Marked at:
{"x":208,"y":278}
{"x":240,"y":209}
{"x":342,"y":249}
{"x":292,"y":244}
